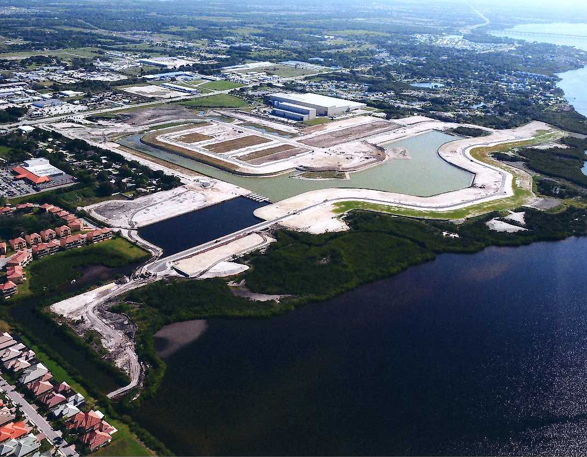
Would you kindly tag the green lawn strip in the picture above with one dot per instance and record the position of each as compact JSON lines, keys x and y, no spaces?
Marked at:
{"x":216,"y":101}
{"x":124,"y":443}
{"x":58,"y":372}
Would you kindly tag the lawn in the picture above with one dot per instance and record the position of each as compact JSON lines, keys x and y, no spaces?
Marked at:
{"x":216,"y":101}
{"x":220,"y":85}
{"x":317,"y":121}
{"x":124,"y":443}
{"x":51,"y":274}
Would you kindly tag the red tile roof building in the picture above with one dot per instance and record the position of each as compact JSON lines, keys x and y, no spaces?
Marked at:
{"x":17,"y":243}
{"x":62,"y":231}
{"x":15,"y":274}
{"x":23,"y":173}
{"x":85,"y":421}
{"x":94,"y":439}
{"x":21,"y":259}
{"x":25,"y":207}
{"x":39,"y":388}
{"x":48,"y":235}
{"x":52,"y":399}
{"x":33,"y":238}
{"x":13,"y":430}
{"x":45,"y":249}
{"x":73,"y":241}
{"x":95,"y":236}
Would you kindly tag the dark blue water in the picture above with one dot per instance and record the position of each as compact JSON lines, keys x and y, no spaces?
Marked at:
{"x":469,"y":354}
{"x":198,"y":227}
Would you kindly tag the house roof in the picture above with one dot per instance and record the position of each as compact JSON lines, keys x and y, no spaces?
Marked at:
{"x":52,"y":399}
{"x":7,"y":285}
{"x":13,"y":430}
{"x":95,"y":439}
{"x":40,"y":387}
{"x":85,"y":420}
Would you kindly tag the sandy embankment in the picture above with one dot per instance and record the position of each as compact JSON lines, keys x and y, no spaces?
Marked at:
{"x":162,"y":205}
{"x":178,"y":335}
{"x":216,"y":257}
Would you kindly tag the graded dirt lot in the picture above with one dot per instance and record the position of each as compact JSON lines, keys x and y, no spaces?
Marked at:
{"x":346,"y":135}
{"x":194,"y":138}
{"x":265,"y":152}
{"x":278,"y":156}
{"x":237,"y":143}
{"x":163,"y":113}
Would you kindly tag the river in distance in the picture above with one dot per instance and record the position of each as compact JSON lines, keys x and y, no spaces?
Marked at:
{"x":469,"y":354}
{"x":573,"y":82}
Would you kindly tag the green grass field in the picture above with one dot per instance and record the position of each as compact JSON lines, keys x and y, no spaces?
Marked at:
{"x":51,"y":274}
{"x":216,"y":101}
{"x":220,"y":85}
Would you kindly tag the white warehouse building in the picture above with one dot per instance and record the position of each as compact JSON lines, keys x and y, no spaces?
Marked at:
{"x":322,"y":105}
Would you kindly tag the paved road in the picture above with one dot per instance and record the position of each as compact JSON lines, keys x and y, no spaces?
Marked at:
{"x":44,"y":427}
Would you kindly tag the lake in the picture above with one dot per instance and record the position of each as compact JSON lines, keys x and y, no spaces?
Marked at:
{"x":424,"y":175}
{"x":198,"y":227}
{"x":572,"y":82}
{"x":469,"y":354}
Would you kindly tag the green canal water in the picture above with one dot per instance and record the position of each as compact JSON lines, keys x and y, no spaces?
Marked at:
{"x":424,"y":175}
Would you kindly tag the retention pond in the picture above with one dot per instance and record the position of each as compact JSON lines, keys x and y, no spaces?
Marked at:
{"x":425,"y":174}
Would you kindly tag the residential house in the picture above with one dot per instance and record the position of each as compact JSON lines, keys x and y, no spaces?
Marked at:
{"x":46,"y":207}
{"x":73,"y":241}
{"x":64,"y":388}
{"x":54,"y":210}
{"x":17,"y":243}
{"x":44,"y":249}
{"x":17,"y":364}
{"x":75,"y":225}
{"x":85,"y":421}
{"x":14,"y":430}
{"x":25,"y":208}
{"x":69,"y":218}
{"x":95,"y":439}
{"x":95,"y":236}
{"x":6,"y":340}
{"x":64,"y":411}
{"x":52,"y":399}
{"x":63,"y":231}
{"x":62,"y":214}
{"x":21,"y":259}
{"x":7,"y":211}
{"x":33,"y":238}
{"x":76,"y":399}
{"x":33,"y":373}
{"x":48,"y":235}
{"x":11,"y":352}
{"x":21,"y":447}
{"x":6,"y":415}
{"x":39,"y":388}
{"x":8,"y":289}
{"x":15,"y":274}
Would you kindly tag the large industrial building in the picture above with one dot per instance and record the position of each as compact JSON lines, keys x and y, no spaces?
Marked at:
{"x":303,"y":107}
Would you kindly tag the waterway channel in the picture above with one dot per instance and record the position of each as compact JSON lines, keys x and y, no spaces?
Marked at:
{"x":198,"y":227}
{"x":424,"y":363}
{"x":425,"y":174}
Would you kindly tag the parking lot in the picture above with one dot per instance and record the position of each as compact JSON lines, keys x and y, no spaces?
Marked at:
{"x":9,"y":187}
